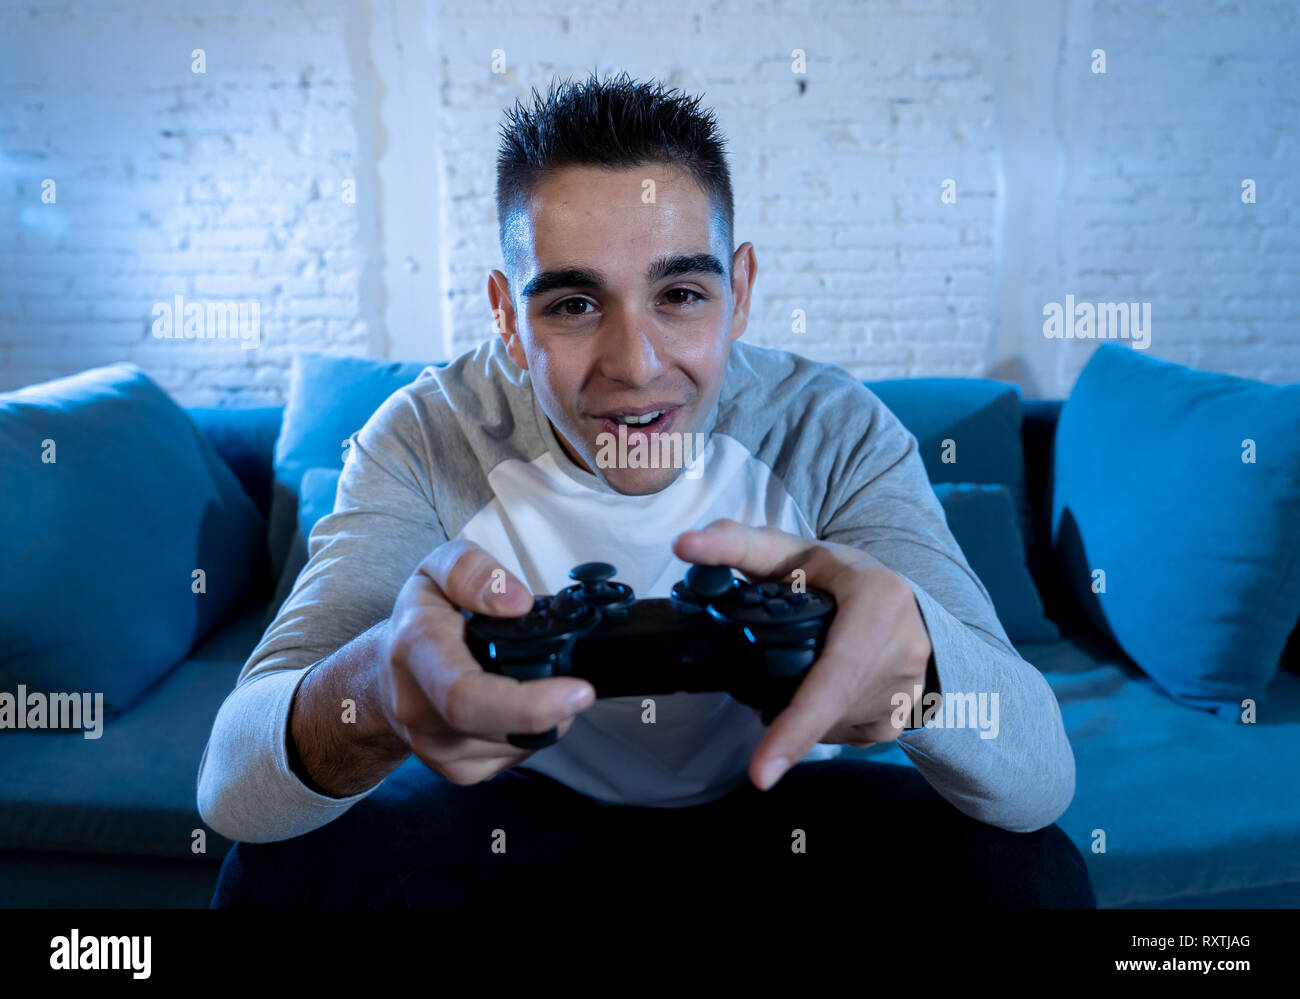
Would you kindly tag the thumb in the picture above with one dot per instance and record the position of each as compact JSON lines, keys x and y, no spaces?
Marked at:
{"x":760,"y":552}
{"x":475,"y":581}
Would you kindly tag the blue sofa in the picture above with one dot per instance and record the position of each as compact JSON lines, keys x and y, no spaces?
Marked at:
{"x":1195,"y":812}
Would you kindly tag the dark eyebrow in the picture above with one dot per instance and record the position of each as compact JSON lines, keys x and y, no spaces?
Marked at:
{"x":583,"y":277}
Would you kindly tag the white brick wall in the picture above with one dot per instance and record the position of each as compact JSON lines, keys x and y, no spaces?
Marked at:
{"x":222,"y":185}
{"x":228,"y":185}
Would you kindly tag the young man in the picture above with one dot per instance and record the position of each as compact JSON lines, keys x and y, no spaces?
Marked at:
{"x":623,"y":302}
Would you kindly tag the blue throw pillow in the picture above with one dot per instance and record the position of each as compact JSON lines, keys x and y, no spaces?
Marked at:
{"x":982,"y":419}
{"x":319,"y":487}
{"x":1183,"y":488}
{"x":112,"y":500}
{"x":330,"y":398}
{"x":316,"y":494}
{"x":984,"y":523}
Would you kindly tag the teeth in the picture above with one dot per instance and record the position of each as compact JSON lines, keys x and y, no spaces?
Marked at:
{"x":639,"y":421}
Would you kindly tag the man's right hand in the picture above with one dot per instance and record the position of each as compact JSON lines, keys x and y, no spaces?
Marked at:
{"x":454,"y":715}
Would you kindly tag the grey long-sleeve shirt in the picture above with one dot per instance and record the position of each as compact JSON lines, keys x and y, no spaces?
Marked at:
{"x":467,"y":451}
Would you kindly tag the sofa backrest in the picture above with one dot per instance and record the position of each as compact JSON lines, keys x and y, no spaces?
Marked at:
{"x":245,"y":439}
{"x":1037,"y":432}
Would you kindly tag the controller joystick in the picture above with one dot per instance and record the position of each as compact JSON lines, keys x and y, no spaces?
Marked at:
{"x":709,"y":580}
{"x":716,"y":633}
{"x":594,"y":590}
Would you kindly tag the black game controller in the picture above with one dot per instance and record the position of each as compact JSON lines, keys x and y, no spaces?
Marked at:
{"x":754,"y":641}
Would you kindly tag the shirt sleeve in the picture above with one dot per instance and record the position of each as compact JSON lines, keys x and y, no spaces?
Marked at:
{"x":383,"y":525}
{"x":1019,"y":773}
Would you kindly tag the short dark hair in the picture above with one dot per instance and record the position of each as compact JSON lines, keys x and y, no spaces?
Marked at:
{"x":615,"y":124}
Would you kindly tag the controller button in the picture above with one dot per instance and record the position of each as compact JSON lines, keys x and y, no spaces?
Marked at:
{"x":797,"y":598}
{"x":777,"y":607}
{"x":592,"y":572}
{"x":686,"y":601}
{"x":769,"y":589}
{"x":750,"y":598}
{"x":566,"y":608}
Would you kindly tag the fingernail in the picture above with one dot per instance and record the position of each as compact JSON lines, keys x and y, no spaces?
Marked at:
{"x":773,"y":771}
{"x":501,"y":602}
{"x":581,"y":699}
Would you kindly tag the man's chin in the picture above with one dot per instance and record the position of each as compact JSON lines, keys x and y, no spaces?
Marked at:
{"x":639,"y":481}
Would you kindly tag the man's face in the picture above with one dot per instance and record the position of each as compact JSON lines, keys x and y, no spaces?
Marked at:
{"x":622,"y":309}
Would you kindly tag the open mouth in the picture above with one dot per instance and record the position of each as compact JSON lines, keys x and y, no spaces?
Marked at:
{"x":644,"y":420}
{"x":656,"y":420}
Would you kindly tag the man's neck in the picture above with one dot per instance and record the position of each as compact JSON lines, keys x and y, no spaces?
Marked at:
{"x":568,"y":448}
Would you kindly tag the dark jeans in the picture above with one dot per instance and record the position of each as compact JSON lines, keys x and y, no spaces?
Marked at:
{"x":870,"y":832}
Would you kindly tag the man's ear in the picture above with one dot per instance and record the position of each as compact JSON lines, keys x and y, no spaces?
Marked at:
{"x":503,"y":315}
{"x":744,"y":268}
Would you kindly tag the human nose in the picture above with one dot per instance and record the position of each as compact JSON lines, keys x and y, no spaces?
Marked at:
{"x":630,"y":351}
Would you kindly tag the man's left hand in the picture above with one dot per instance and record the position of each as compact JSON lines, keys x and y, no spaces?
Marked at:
{"x":877,"y":645}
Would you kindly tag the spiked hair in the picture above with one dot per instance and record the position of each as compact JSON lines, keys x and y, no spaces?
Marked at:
{"x":617,"y":123}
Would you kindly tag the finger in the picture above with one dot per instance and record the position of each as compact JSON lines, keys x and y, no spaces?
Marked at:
{"x":763,"y":552}
{"x":473,"y":701}
{"x":447,"y":747}
{"x":490,"y":706}
{"x":471,"y":578}
{"x":468,"y":698}
{"x":831,"y":689}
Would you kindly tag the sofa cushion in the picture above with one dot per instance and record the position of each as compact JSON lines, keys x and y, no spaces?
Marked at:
{"x":984,"y":523}
{"x":319,"y":487}
{"x":134,"y":790}
{"x":97,"y":561}
{"x":330,"y":398}
{"x":982,"y":419}
{"x":1200,"y":548}
{"x":1194,"y":812}
{"x":315,"y":499}
{"x":245,"y":439}
{"x":1190,"y":807}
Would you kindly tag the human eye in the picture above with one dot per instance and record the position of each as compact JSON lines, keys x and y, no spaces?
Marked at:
{"x":554,"y":310}
{"x":689,"y":291}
